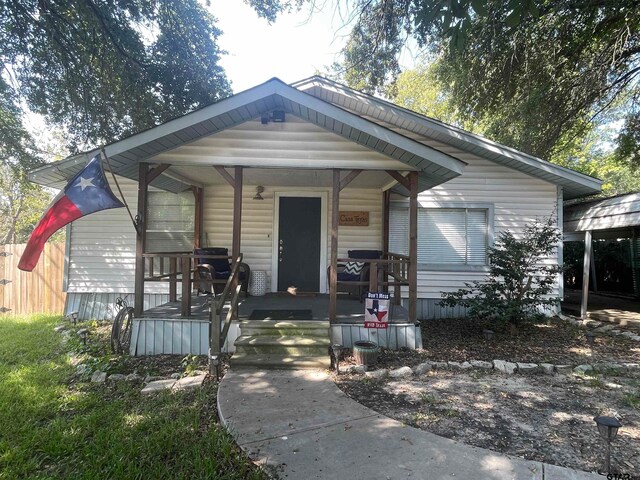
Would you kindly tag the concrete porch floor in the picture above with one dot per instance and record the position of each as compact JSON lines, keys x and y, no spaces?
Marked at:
{"x":349,"y":309}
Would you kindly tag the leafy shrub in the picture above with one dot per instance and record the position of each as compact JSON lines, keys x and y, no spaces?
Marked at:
{"x":520,"y":283}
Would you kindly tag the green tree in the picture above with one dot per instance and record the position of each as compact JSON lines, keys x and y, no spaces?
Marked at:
{"x":519,"y":284}
{"x":103,"y":69}
{"x":548,"y":65}
{"x":586,"y":148}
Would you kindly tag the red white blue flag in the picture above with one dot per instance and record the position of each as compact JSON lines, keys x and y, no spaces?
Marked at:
{"x":86,"y":193}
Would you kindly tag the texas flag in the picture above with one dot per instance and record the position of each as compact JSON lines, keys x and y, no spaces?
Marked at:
{"x":86,"y":193}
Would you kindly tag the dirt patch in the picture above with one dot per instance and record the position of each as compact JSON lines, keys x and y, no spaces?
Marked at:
{"x":548,"y":418}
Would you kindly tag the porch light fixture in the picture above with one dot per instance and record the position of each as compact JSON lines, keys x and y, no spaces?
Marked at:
{"x":259,"y":190}
{"x":277,"y":116}
{"x":608,"y":428}
{"x":488,"y":334}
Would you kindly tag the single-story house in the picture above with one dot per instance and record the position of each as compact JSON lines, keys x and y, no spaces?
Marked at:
{"x":294,"y":177}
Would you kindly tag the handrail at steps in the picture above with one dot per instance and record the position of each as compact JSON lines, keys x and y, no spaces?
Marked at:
{"x":218,"y":335}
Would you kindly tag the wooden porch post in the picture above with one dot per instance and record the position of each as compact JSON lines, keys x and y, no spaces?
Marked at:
{"x":386,"y":202}
{"x":197,"y":227}
{"x":141,"y":230}
{"x":585,"y":274}
{"x":237,"y":212}
{"x":333,"y":270}
{"x":413,"y":246}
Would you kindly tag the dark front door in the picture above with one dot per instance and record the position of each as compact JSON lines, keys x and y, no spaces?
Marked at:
{"x":299,"y":244}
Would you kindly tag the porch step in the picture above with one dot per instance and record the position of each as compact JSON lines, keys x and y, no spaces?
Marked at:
{"x":243,"y":360}
{"x":289,"y":345}
{"x":282,"y":344}
{"x":302,"y":328}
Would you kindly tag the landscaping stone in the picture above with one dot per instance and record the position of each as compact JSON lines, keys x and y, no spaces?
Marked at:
{"x":455,"y":365}
{"x":158,"y":385}
{"x":582,"y":369}
{"x":481,"y":364}
{"x":356,"y":369}
{"x":189,"y":383}
{"x":547,"y":368}
{"x":377,"y":374}
{"x":83,"y":331}
{"x":607,"y":366}
{"x":504,"y":367}
{"x":116,"y":377}
{"x":604,"y":328}
{"x":401,"y":372}
{"x":98,"y":377}
{"x":631,"y":366}
{"x":176,"y":375}
{"x":82,"y":369}
{"x":592,"y":323}
{"x":439,"y":365}
{"x":60,"y":328}
{"x":422,"y":368}
{"x":528,"y":368}
{"x":615,"y":332}
{"x":133,"y":377}
{"x":565,"y":369}
{"x":150,"y":378}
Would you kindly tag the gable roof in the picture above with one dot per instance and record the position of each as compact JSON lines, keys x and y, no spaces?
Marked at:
{"x":369,"y":121}
{"x":434,"y":166}
{"x":574,"y":184}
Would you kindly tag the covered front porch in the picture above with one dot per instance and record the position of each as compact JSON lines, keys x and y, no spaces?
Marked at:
{"x":165,"y":330}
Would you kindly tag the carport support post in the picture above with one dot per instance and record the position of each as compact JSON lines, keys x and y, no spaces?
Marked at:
{"x":413,"y":246}
{"x":141,"y":230}
{"x":585,"y":274}
{"x":333,"y":272}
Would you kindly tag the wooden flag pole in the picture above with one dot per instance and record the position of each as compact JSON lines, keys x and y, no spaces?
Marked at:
{"x":124,"y":200}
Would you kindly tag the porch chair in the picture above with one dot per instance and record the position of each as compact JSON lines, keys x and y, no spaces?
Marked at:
{"x":353,"y":277}
{"x":212,"y":273}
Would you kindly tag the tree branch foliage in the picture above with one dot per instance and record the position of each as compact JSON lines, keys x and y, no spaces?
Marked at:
{"x":104,"y":69}
{"x":548,"y":65}
{"x":521,"y":279}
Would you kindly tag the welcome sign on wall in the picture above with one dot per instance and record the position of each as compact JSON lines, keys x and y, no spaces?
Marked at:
{"x":376,"y":310}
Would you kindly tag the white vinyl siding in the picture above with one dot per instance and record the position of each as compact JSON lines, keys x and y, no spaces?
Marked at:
{"x":170,"y":220}
{"x":446,"y":236}
{"x":258,"y":221}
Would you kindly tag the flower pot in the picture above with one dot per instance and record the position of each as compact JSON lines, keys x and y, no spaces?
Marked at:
{"x":365,"y":353}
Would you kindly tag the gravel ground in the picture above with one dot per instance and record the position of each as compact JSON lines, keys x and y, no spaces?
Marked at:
{"x":542,"y":417}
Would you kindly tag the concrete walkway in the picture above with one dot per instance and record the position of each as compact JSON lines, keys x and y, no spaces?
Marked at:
{"x":302,"y":425}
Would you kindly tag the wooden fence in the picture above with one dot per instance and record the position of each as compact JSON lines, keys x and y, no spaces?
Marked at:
{"x":38,"y":291}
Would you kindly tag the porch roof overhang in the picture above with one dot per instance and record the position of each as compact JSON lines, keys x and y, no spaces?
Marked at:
{"x":574,"y":184}
{"x":434,"y":167}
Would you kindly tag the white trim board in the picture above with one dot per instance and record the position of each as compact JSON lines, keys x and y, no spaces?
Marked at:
{"x":323,"y":195}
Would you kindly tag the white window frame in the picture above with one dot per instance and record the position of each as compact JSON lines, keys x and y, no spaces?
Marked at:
{"x":431,"y":205}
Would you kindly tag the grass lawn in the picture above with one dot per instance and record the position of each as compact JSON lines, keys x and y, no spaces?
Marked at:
{"x":53,"y":428}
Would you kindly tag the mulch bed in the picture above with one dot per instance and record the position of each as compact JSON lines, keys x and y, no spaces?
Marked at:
{"x":539,"y":417}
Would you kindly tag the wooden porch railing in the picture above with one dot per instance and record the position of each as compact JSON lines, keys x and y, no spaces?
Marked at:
{"x":174,"y":267}
{"x":392,"y":270}
{"x":218,"y":330}
{"x":163,"y":267}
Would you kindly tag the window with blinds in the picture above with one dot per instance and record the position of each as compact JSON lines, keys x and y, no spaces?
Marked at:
{"x":170,"y":222}
{"x":446,"y":236}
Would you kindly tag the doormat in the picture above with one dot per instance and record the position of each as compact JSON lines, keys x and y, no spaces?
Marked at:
{"x":281,"y":315}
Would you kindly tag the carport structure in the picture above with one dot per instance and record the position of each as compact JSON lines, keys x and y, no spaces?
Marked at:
{"x":616,"y":217}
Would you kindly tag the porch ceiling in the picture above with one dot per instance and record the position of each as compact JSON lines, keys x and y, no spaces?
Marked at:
{"x":434,"y":167}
